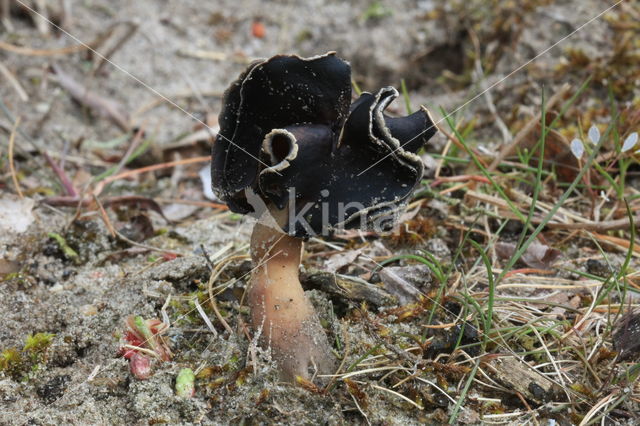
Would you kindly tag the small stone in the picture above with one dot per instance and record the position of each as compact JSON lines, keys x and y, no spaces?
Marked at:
{"x":89,"y":310}
{"x":598,"y":267}
{"x":56,"y":288}
{"x":53,"y":389}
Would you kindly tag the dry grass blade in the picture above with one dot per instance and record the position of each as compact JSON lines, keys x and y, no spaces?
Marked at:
{"x":561,"y":378}
{"x":399,"y":395}
{"x":215,"y":56}
{"x":371,"y":370}
{"x":438,"y":388}
{"x":28,"y":51}
{"x":604,"y":226}
{"x":205,"y":318}
{"x":560,"y":219}
{"x":597,"y":407}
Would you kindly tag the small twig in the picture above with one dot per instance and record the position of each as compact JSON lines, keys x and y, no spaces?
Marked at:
{"x":65,"y":201}
{"x":12,"y":139}
{"x":62,"y":176}
{"x":105,"y":217}
{"x":132,"y":27}
{"x":460,"y":178}
{"x":622,"y":244}
{"x":41,"y":17}
{"x":14,"y":82}
{"x":207,"y":258}
{"x":193,"y":203}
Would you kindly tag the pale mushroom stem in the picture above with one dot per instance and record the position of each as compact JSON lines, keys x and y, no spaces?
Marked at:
{"x":287,"y":321}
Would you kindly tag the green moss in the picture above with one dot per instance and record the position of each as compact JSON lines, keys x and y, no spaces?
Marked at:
{"x":38,"y":343}
{"x":18,"y":364}
{"x":11,"y":361}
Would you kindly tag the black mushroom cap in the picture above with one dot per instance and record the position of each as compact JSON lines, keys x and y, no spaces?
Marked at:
{"x":289,"y":135}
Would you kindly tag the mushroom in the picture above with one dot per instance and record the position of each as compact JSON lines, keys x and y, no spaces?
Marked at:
{"x":295,"y":154}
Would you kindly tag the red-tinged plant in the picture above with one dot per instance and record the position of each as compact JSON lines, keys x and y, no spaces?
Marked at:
{"x":144,"y":341}
{"x":140,"y":365}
